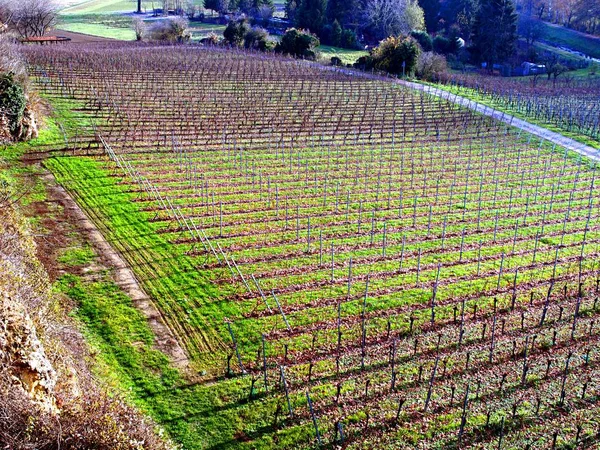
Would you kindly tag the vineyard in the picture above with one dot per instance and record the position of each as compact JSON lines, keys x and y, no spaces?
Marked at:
{"x":369,"y":266}
{"x":568,"y":104}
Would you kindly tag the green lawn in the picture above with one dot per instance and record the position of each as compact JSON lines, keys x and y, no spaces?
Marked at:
{"x":347,"y":56}
{"x":94,"y":29}
{"x":572,"y":39}
{"x":103,"y":6}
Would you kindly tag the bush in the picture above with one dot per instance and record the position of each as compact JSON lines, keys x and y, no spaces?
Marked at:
{"x":236,"y":31}
{"x":423,"y":39}
{"x":393,"y":52}
{"x":446,"y":46}
{"x":211,"y":39}
{"x":257,"y":38}
{"x":441,"y":45}
{"x":173,"y":30}
{"x":336,"y":61}
{"x":431,"y":66}
{"x":12,"y":101}
{"x":298,"y":43}
{"x":364,"y":63}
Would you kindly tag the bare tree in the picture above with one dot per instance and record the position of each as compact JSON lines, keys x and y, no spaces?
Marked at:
{"x":393,"y":17}
{"x":139,"y":27}
{"x":30,"y":18}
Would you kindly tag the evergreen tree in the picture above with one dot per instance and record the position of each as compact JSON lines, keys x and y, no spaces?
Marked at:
{"x":336,"y":33}
{"x":431,"y":8}
{"x":461,"y":14}
{"x":494,"y":32}
{"x":344,"y":11}
{"x":291,"y":8}
{"x":311,"y":15}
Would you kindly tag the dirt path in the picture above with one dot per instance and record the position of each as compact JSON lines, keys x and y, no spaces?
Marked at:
{"x":536,"y":130}
{"x":122,"y":274}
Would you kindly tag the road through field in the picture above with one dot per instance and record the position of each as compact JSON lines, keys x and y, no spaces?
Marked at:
{"x":536,"y":130}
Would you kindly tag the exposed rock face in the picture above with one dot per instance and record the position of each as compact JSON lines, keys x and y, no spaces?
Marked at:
{"x":24,"y":290}
{"x":5,"y":135}
{"x":28,"y":128}
{"x":23,"y":353}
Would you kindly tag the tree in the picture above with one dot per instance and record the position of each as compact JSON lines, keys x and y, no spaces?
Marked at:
{"x":291,"y":8}
{"x":431,"y":66}
{"x":218,"y":6}
{"x":344,"y":11}
{"x":311,"y":15}
{"x":31,"y":18}
{"x":431,"y":10}
{"x":12,"y":101}
{"x":336,"y":33}
{"x":385,"y":18}
{"x":298,"y":43}
{"x":350,"y":40}
{"x":139,"y":27}
{"x":265,"y":13}
{"x":423,"y":39}
{"x":396,"y":55}
{"x":530,"y":29}
{"x":236,"y":31}
{"x":554,"y":68}
{"x":587,"y":16}
{"x":494,"y":32}
{"x":461,"y":15}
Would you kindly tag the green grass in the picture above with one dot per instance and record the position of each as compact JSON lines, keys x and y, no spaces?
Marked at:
{"x":576,"y":41}
{"x":103,"y":6}
{"x":110,"y":6}
{"x":113,"y":26}
{"x":77,"y":256}
{"x":347,"y":56}
{"x":99,"y":30}
{"x":198,"y":416}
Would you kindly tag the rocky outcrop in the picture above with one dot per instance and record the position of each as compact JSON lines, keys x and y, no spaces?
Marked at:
{"x":24,"y":287}
{"x":23,"y":354}
{"x":27,"y":129}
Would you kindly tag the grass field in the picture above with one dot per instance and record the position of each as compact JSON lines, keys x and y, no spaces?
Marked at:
{"x":562,"y":36}
{"x":347,"y":56}
{"x":344,"y":259}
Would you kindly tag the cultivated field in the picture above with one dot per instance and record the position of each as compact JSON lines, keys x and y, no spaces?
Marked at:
{"x":567,"y":105}
{"x":359,"y":264}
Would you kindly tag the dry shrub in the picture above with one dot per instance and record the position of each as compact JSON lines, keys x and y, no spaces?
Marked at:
{"x":172,"y":30}
{"x":49,"y":398}
{"x":94,"y":421}
{"x":431,"y":66}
